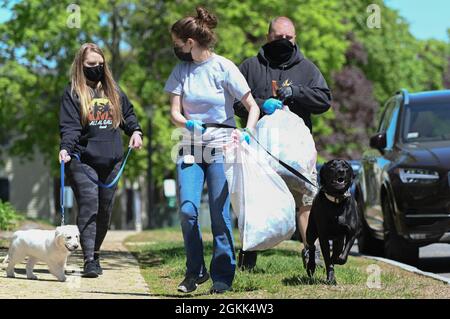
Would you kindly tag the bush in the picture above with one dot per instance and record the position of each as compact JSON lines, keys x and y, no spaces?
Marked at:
{"x":8,"y":216}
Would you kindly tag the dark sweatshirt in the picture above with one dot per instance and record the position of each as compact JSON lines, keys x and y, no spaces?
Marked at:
{"x":98,"y":143}
{"x":311,"y":94}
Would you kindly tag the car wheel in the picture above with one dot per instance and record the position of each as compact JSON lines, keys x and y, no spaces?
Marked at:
{"x":395,"y":246}
{"x":367,"y":244}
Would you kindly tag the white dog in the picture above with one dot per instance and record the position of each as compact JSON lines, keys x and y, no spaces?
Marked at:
{"x":50,"y":246}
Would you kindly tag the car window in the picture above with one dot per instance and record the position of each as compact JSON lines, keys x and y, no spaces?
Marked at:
{"x":387,"y":114}
{"x":426,"y":123}
{"x":391,"y":127}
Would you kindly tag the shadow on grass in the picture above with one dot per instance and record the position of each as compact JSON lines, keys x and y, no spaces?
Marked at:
{"x":157,"y":256}
{"x":280,"y":253}
{"x":303,"y":280}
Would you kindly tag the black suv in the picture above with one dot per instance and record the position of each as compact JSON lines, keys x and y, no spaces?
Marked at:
{"x":403,"y":187}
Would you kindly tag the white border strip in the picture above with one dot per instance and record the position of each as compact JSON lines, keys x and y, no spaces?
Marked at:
{"x":409,"y":268}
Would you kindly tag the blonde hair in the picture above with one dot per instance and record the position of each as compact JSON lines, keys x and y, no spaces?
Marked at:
{"x":107,"y":85}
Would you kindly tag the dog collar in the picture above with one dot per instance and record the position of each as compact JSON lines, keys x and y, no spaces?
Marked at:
{"x":337,"y":200}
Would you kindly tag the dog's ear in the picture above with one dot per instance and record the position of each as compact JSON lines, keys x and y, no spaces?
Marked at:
{"x":322,"y":174}
{"x":57,"y":231}
{"x":59,"y":238}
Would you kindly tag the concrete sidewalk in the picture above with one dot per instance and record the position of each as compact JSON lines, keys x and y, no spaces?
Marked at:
{"x":121,"y":276}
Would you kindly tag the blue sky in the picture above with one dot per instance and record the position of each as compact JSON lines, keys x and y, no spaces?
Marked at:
{"x":427,"y":18}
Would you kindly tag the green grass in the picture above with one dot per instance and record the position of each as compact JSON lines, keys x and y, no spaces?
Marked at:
{"x":279,"y":273}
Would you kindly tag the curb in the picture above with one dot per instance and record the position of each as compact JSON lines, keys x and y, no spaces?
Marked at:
{"x":408,"y":268}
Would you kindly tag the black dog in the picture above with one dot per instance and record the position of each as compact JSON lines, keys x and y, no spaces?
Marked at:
{"x":333,"y":217}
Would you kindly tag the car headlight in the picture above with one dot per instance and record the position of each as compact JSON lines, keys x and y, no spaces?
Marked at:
{"x":417,"y":175}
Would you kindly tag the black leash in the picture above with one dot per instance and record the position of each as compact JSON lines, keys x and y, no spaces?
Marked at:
{"x":286,"y":166}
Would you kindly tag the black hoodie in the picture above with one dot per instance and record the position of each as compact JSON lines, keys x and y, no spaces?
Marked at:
{"x":98,"y":142}
{"x":311,"y":94}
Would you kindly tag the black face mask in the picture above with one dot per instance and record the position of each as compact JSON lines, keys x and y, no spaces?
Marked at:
{"x":183,"y":56}
{"x":94,"y":73}
{"x":279,"y":51}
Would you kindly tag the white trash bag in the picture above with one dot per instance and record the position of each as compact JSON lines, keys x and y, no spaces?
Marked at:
{"x":261,"y":200}
{"x":285,"y":135}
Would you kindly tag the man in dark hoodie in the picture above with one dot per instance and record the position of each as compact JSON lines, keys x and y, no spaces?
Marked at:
{"x":281,"y":60}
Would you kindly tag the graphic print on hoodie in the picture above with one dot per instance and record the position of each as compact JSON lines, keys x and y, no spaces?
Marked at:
{"x":100,"y":113}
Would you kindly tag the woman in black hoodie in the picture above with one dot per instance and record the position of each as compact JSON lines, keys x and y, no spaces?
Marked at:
{"x":93,"y":109}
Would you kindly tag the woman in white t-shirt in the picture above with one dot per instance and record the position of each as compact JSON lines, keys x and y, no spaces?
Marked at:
{"x":203,"y":88}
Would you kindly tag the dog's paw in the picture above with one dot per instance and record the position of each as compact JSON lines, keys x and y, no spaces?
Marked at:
{"x":10,"y":275}
{"x":311,"y":269}
{"x":62,"y":278}
{"x":331,"y":279}
{"x":332,"y":282}
{"x":32,"y":277}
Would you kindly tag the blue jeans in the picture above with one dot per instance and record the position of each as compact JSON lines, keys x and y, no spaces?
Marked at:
{"x":190,"y":180}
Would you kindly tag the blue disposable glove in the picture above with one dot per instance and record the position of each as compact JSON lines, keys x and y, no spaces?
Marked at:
{"x":270,"y":105}
{"x":195,"y":126}
{"x":245,"y":137}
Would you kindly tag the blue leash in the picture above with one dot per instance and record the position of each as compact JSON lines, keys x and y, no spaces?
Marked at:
{"x":100,"y":184}
{"x":115,"y":180}
{"x":61,"y":193}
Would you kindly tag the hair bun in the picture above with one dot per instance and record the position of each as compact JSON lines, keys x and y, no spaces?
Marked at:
{"x":206,"y":18}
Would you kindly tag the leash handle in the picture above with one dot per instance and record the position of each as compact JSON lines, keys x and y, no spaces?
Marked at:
{"x":116,"y":179}
{"x":61,"y":194}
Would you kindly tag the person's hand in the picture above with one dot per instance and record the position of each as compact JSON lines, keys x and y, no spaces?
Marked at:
{"x":239,"y":136}
{"x":285,"y":92}
{"x":64,"y":156}
{"x":195,"y":126}
{"x":236,"y":136}
{"x":136,"y":140}
{"x":270,"y":105}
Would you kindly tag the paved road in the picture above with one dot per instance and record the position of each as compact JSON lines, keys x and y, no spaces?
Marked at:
{"x":121,"y":277}
{"x":433,"y":258}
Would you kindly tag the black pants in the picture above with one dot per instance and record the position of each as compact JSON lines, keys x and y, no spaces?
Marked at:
{"x":94,"y":203}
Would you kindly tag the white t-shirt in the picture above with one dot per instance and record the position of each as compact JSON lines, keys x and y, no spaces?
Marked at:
{"x":208,"y":91}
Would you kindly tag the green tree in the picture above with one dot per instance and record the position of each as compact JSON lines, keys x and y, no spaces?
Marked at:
{"x":37,"y":47}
